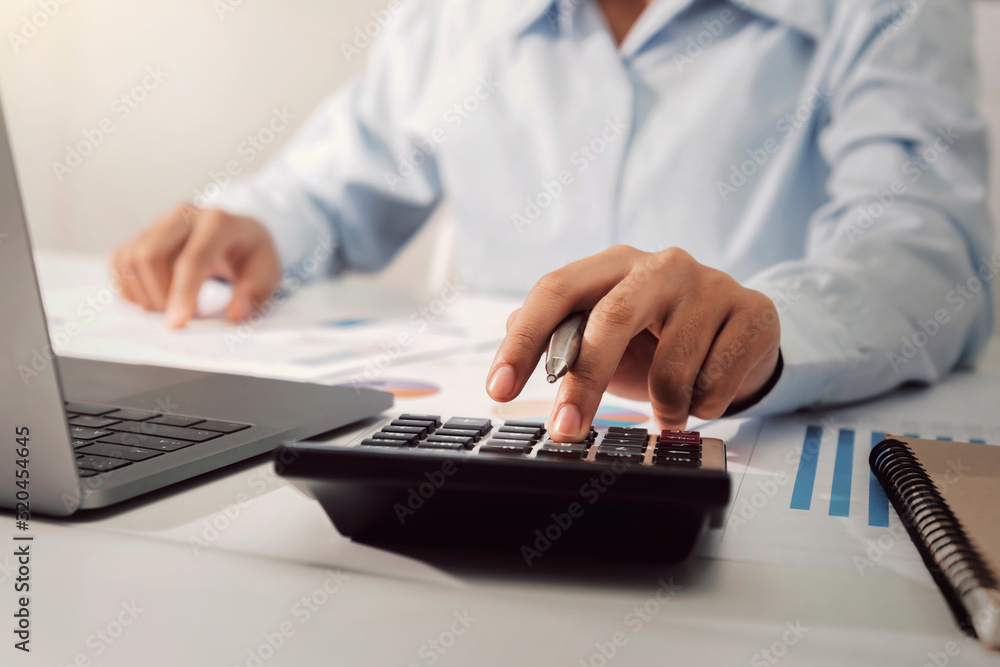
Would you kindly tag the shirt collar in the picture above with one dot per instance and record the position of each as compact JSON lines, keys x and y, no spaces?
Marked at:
{"x":810,"y":16}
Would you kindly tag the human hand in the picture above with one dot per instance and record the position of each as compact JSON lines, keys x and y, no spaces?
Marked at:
{"x":169,"y":261}
{"x":663,"y":328}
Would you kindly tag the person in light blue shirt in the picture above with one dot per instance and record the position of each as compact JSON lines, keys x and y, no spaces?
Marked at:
{"x":768,"y":204}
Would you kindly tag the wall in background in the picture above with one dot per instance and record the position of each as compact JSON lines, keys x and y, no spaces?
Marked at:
{"x":222,"y":68}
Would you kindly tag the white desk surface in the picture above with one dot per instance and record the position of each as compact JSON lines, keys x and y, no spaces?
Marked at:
{"x":197,"y":595}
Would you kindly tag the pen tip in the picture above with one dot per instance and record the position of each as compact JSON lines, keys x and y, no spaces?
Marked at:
{"x":552,"y":378}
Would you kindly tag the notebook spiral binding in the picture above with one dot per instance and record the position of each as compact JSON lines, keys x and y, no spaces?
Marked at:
{"x":951,"y":558}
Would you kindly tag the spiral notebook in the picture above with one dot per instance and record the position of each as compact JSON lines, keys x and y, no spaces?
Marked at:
{"x":948,"y":497}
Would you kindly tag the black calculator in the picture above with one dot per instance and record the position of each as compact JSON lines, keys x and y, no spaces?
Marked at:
{"x":474,"y":484}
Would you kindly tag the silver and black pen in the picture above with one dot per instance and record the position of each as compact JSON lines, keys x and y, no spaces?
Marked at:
{"x":564,"y":346}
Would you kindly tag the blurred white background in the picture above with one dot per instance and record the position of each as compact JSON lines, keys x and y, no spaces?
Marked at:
{"x":225,"y":65}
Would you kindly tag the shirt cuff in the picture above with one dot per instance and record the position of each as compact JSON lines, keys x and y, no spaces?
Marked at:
{"x":808,"y":370}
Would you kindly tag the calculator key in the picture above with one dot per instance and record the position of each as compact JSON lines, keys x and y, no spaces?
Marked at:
{"x":629,"y":455}
{"x":677,"y":461}
{"x":424,"y":427}
{"x":411,"y":430}
{"x":132,"y":415}
{"x":119,"y":452}
{"x":627,"y":449}
{"x":91,"y":422}
{"x":524,"y":423}
{"x":407,"y":438}
{"x":81,"y":443}
{"x":561,"y":452}
{"x":435,"y":444}
{"x":92,"y":410}
{"x":683,"y":446}
{"x":221,"y":426}
{"x":86,"y":473}
{"x":173,"y":432}
{"x":177,"y":420}
{"x":494,"y":446}
{"x":99,"y":463}
{"x":83,"y":433}
{"x":534,"y":432}
{"x":463,"y":440}
{"x":641,"y":432}
{"x":379,"y":442}
{"x":636,"y":442}
{"x":482,"y":425}
{"x":460,"y":432}
{"x":433,"y":419}
{"x":506,"y":435}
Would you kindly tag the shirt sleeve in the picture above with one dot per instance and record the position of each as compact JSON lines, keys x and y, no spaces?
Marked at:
{"x":897,"y":277}
{"x":357,"y":177}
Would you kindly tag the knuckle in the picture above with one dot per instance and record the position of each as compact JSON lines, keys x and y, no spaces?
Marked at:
{"x":615,"y":312}
{"x":552,"y":285}
{"x":526,"y":336}
{"x":586,"y":376}
{"x":709,"y":408}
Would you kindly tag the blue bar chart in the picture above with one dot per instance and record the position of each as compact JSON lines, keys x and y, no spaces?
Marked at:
{"x":842,"y":474}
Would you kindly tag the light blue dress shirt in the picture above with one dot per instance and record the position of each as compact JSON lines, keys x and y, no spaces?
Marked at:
{"x":825,"y":152}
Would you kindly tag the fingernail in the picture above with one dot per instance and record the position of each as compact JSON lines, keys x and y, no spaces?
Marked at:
{"x":501,"y":384}
{"x":567,"y":420}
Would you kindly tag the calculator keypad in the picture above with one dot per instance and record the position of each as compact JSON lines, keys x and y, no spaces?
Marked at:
{"x":525,"y":438}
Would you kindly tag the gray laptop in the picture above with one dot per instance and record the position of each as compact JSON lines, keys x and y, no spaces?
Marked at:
{"x":79,"y":434}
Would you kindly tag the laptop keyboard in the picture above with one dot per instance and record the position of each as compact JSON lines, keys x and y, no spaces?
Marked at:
{"x":107,"y":438}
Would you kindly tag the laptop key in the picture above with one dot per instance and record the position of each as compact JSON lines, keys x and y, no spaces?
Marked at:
{"x":91,"y":422}
{"x":83,"y":433}
{"x":119,"y":451}
{"x":173,"y":432}
{"x":126,"y":414}
{"x":145,"y":442}
{"x":99,"y":463}
{"x":176,"y":420}
{"x":222,"y":427}
{"x":92,"y":410}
